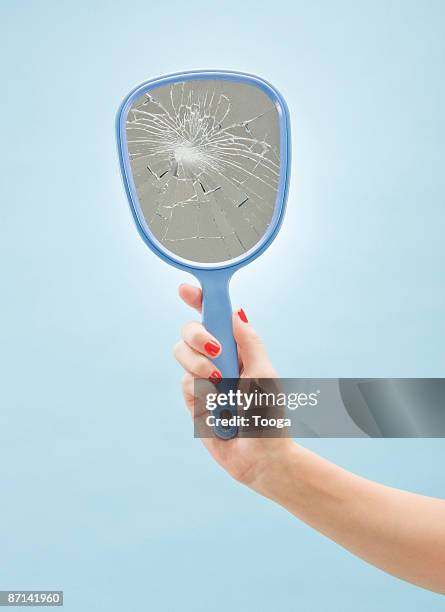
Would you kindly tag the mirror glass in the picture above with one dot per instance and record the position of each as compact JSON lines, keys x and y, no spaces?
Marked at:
{"x":205,"y":161}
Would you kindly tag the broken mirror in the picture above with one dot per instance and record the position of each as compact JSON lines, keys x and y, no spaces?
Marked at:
{"x":205,"y":162}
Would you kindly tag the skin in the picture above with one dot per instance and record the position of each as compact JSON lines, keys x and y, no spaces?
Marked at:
{"x":400,"y":532}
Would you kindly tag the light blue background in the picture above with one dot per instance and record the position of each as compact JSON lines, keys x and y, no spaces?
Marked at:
{"x":104,"y":492}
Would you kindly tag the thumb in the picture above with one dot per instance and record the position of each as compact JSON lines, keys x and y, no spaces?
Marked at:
{"x":254,"y":358}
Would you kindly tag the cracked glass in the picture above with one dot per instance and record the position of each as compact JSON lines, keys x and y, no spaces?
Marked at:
{"x":205,"y":160}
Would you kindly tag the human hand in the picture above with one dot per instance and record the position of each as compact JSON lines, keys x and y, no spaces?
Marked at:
{"x":399,"y":532}
{"x":245,"y":459}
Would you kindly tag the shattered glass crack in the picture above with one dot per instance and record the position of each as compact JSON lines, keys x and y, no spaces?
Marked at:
{"x":205,"y":161}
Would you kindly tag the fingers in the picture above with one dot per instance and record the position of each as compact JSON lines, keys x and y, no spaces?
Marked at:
{"x":195,"y":363}
{"x":194,"y":397}
{"x":198,"y":338}
{"x":197,"y":346}
{"x":192,"y":296}
{"x":252,"y":352}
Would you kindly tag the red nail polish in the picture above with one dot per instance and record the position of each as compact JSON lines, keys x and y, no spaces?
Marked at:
{"x":212,"y":348}
{"x":215,"y":377}
{"x":242,"y":315}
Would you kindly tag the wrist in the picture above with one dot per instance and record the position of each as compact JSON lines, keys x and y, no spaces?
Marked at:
{"x":277,"y":471}
{"x":307,"y":485}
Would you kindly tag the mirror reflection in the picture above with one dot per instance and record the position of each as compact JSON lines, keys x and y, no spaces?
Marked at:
{"x":205,"y":161}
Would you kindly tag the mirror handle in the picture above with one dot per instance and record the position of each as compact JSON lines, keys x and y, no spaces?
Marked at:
{"x":217,"y":319}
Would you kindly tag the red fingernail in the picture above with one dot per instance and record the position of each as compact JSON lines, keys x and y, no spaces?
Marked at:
{"x":212,"y":348}
{"x":242,"y":315}
{"x":215,"y":377}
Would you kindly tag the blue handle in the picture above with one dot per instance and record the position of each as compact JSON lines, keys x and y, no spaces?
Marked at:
{"x":217,"y":319}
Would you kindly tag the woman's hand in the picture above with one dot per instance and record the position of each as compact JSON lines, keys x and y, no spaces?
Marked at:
{"x":399,"y":532}
{"x":245,"y":459}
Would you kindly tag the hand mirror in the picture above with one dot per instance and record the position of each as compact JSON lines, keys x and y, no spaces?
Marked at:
{"x":205,"y":163}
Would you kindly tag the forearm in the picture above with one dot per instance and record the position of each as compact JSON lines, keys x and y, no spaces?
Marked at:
{"x":399,"y":532}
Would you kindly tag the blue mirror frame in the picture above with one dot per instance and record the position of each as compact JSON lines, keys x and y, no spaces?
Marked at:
{"x":130,"y":188}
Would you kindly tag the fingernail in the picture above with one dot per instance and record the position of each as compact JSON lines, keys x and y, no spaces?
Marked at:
{"x":215,"y":377}
{"x":212,"y":348}
{"x":242,"y":315}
